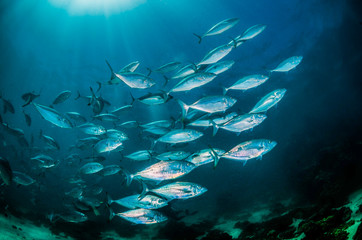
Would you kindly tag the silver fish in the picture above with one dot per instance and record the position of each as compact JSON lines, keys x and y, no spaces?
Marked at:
{"x":62,"y":97}
{"x":141,"y":155}
{"x":219,"y":67}
{"x":50,"y":141}
{"x":209,"y":104}
{"x":193,"y":81}
{"x":180,"y":136}
{"x":269,"y":101}
{"x":92,"y":129}
{"x":241,"y":123}
{"x":177,"y":190}
{"x":247,"y":82}
{"x":163,"y":170}
{"x":53,"y":116}
{"x":129,"y":124}
{"x":107,"y":145}
{"x":131,"y":79}
{"x":252,"y":32}
{"x":219,"y":28}
{"x":111,"y":170}
{"x":141,"y":216}
{"x":134,"y":201}
{"x":250,"y":149}
{"x":114,"y":133}
{"x":216,"y":54}
{"x":90,"y":168}
{"x":288,"y":64}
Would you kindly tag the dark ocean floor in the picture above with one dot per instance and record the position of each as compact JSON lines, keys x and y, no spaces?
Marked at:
{"x":331,"y":208}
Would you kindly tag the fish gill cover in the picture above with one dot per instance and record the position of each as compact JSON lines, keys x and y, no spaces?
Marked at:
{"x":203,"y":119}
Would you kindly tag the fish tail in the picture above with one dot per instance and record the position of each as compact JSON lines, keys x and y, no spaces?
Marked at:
{"x":78,"y":96}
{"x":113,"y":75}
{"x":111,"y":214}
{"x":199,"y":37}
{"x":99,"y":86}
{"x":133,"y":99}
{"x":184,"y":108}
{"x":149,"y":71}
{"x":166,"y":80}
{"x":224,"y":90}
{"x":129,"y":177}
{"x":215,"y":156}
{"x":215,"y":127}
{"x":145,"y":190}
{"x":109,"y":199}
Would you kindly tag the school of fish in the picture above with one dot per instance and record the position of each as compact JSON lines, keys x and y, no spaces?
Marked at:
{"x":88,"y":155}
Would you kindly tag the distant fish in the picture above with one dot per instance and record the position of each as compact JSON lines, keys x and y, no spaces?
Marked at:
{"x":76,"y":116}
{"x":8,"y":106}
{"x":53,"y":116}
{"x":193,"y":81}
{"x":74,"y":217}
{"x":219,"y":28}
{"x":169,"y":67}
{"x":219,"y":67}
{"x":29,"y":97}
{"x":268,"y":101}
{"x":155,"y":98}
{"x":216,"y":54}
{"x":129,"y":124}
{"x":122,"y":109}
{"x":173,"y":156}
{"x":247,"y":82}
{"x":17,"y":132}
{"x":62,"y":97}
{"x":252,"y":32}
{"x":131,"y":79}
{"x":27,"y":119}
{"x":91,"y":168}
{"x":5,"y":171}
{"x":50,"y":141}
{"x":141,"y":155}
{"x":141,"y":216}
{"x":209,"y":104}
{"x":288,"y":64}
{"x":159,"y":123}
{"x":111,"y":170}
{"x":22,"y":179}
{"x":108,"y":117}
{"x":107,"y":145}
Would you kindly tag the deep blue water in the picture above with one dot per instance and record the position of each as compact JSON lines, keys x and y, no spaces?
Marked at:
{"x":47,"y":50}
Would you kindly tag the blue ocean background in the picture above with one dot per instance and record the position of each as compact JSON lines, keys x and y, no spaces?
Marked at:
{"x":47,"y":49}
